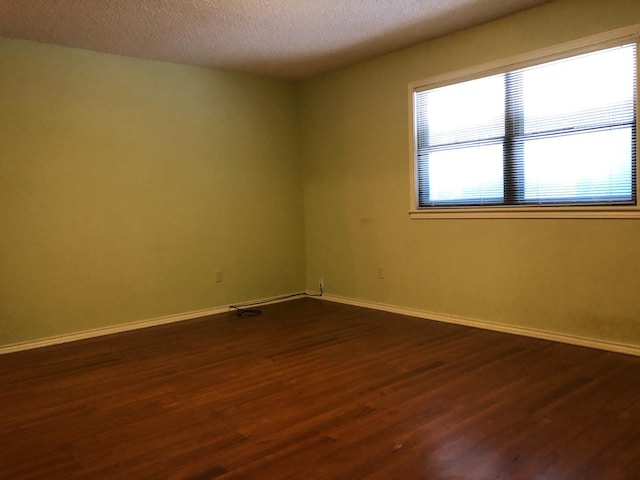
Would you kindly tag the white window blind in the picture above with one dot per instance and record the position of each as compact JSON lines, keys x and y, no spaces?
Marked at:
{"x":558,"y":133}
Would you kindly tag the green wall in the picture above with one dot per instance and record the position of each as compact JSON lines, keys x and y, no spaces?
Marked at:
{"x":579,"y":277}
{"x":125,"y":184}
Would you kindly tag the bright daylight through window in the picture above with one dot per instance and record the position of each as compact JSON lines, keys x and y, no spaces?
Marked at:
{"x":560,"y":133}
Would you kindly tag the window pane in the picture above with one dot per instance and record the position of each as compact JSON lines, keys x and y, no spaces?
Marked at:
{"x":562,"y":132}
{"x":472,"y":175}
{"x":593,"y":165}
{"x":587,"y":90}
{"x":466,"y":111}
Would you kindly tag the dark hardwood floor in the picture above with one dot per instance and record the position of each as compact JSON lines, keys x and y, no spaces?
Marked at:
{"x":317,"y":390}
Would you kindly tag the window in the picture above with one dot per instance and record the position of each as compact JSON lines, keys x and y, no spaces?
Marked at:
{"x":546,"y":134}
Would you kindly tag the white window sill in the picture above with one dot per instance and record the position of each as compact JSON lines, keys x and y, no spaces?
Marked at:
{"x":621,"y":213}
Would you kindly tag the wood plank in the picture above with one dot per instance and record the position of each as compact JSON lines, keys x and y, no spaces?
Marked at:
{"x":318,"y":390}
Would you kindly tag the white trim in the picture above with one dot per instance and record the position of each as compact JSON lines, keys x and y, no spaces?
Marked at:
{"x":543,"y":55}
{"x":628,"y":349}
{"x":126,"y":327}
{"x":612,"y":213}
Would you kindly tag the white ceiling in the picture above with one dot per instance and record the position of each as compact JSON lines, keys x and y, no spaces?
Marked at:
{"x":289,"y":39}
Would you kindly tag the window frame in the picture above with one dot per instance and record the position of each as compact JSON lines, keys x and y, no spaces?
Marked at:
{"x":577,"y":47}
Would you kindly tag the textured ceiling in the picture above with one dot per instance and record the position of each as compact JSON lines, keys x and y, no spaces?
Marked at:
{"x":289,"y":39}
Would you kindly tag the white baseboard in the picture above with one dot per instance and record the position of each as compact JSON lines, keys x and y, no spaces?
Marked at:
{"x":125,"y":327}
{"x":498,"y":327}
{"x":440,"y":317}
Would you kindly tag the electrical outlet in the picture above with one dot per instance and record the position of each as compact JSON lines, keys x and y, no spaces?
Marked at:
{"x":380,"y":273}
{"x":218,"y":277}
